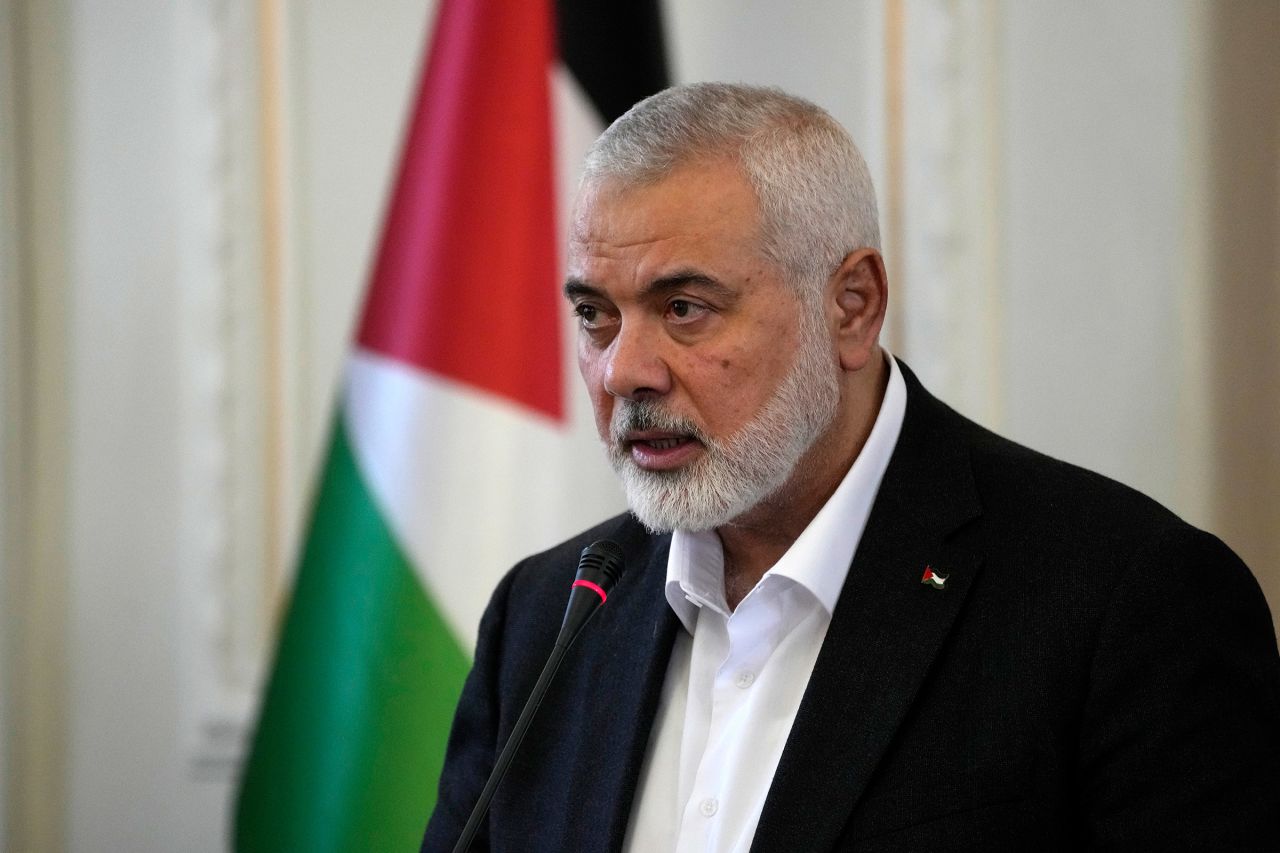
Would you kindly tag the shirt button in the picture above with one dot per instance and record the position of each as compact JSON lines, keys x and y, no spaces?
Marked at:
{"x":745,"y":679}
{"x":709,"y":806}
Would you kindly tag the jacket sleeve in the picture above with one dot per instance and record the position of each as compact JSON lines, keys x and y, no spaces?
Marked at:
{"x":1180,"y":736}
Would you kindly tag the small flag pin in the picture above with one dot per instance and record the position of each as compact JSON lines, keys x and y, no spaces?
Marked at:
{"x":933,"y":579}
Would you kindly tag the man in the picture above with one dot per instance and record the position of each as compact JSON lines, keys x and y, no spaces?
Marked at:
{"x":851,"y":618}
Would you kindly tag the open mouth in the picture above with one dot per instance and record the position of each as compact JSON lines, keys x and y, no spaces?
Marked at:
{"x":662,"y":443}
{"x":653,"y":450}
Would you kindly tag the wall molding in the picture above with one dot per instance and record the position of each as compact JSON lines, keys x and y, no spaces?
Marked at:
{"x":945,"y":198}
{"x":232,"y":379}
{"x":34,"y":441}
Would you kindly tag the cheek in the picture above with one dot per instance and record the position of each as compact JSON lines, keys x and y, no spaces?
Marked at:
{"x":591,"y":368}
{"x":602,"y":406}
{"x":723,"y":388}
{"x":732,"y":385}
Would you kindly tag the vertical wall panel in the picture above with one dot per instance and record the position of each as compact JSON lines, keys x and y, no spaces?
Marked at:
{"x":1244,"y":281}
{"x":1094,"y":150}
{"x":10,"y":396}
{"x":37,"y":702}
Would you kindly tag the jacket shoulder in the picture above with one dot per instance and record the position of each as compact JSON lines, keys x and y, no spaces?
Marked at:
{"x":1059,"y":499}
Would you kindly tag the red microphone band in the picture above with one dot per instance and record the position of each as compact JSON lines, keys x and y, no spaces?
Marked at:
{"x":594,"y":588}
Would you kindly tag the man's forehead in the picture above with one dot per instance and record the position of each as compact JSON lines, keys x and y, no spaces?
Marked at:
{"x":600,"y":201}
{"x":701,"y":196}
{"x":623,"y":241}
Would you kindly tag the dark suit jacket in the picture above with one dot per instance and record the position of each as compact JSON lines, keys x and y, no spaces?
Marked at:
{"x":1095,"y":672}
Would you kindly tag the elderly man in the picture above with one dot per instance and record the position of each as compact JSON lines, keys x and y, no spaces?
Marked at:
{"x":851,"y":618}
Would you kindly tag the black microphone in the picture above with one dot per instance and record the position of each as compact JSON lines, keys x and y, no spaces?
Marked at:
{"x":599,"y":568}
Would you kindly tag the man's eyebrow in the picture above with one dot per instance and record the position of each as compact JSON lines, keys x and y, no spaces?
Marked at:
{"x":576,"y":288}
{"x":687,"y":278}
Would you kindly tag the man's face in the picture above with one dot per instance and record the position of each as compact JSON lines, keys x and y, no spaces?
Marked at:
{"x":708,"y":376}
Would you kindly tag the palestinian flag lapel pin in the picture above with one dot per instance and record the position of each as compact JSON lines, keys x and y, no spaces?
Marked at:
{"x":933,"y":579}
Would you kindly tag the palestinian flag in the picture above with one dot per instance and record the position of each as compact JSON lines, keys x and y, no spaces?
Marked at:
{"x":458,"y":446}
{"x":933,"y":579}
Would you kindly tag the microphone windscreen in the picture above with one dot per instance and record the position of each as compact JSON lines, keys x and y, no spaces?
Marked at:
{"x":601,"y":563}
{"x":599,"y":568}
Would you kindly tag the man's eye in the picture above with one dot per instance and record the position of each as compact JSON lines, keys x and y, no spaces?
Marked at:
{"x":588,"y":314}
{"x":683,"y":310}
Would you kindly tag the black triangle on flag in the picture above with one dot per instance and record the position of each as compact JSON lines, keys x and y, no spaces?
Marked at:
{"x":614,"y":50}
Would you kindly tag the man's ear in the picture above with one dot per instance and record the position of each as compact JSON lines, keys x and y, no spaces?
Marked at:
{"x":859,"y":289}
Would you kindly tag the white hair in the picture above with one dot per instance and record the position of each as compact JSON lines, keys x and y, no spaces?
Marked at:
{"x":816,"y":200}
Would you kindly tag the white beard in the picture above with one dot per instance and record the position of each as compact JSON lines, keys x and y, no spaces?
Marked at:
{"x":736,"y":474}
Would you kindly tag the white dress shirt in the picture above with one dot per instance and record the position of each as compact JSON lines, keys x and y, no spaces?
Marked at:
{"x":735,"y":679}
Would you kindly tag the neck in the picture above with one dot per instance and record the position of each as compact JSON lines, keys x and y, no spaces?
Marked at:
{"x":755,"y":541}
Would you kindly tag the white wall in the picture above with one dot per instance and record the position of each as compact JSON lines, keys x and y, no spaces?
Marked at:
{"x":1097,"y":154}
{"x":130,"y":782}
{"x":829,"y":51}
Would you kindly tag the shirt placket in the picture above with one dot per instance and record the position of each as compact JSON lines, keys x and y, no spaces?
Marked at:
{"x":742,"y":644}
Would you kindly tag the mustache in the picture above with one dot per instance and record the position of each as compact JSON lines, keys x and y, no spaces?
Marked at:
{"x":641,"y":415}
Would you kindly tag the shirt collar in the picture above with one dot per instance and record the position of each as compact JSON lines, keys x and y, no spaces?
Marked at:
{"x":819,"y":559}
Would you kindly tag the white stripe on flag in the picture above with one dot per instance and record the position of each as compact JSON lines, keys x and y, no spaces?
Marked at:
{"x":467,"y":482}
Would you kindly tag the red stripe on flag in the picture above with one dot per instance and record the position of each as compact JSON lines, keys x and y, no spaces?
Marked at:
{"x":465,"y":283}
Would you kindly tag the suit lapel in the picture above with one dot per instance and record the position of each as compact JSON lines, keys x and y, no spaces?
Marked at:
{"x":885,"y":632}
{"x":625,"y":671}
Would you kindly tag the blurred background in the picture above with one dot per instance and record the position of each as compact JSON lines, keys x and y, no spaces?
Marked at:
{"x":1081,"y":205}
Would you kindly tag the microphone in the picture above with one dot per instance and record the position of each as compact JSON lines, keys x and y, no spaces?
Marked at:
{"x":599,"y":567}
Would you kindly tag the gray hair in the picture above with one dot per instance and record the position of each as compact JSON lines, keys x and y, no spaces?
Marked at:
{"x":816,"y":200}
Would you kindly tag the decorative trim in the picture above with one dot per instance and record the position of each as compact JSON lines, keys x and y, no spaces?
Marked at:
{"x":36,"y":60}
{"x":945,"y":224}
{"x":271,"y":30}
{"x":231,"y":368}
{"x":895,"y":167}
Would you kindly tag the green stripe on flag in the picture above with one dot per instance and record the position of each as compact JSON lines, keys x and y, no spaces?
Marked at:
{"x":352,"y":735}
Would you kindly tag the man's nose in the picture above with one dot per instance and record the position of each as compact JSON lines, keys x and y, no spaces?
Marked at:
{"x":634,"y":366}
